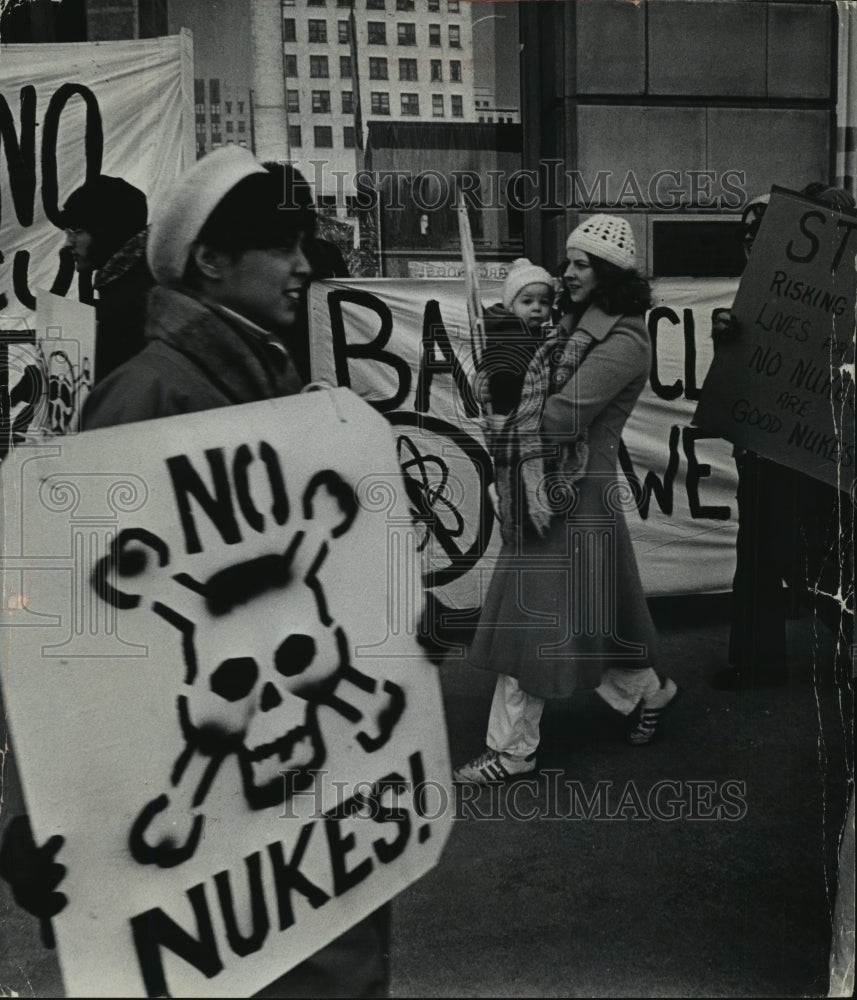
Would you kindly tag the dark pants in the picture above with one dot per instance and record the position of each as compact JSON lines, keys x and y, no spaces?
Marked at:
{"x":793,"y":529}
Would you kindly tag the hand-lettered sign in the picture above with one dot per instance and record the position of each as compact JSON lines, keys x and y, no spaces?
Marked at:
{"x":784,"y":386}
{"x":215,"y":690}
{"x":404,"y":345}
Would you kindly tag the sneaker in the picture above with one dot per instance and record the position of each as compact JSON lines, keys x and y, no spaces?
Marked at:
{"x":493,"y":766}
{"x":651,"y":712}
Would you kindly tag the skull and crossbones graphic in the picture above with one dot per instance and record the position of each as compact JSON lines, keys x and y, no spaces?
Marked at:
{"x":253,"y":692}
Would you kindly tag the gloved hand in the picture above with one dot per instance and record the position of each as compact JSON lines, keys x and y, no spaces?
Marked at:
{"x":33,"y":874}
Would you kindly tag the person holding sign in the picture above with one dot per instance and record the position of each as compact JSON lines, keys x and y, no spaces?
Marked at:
{"x":230,"y":270}
{"x":565,"y":609}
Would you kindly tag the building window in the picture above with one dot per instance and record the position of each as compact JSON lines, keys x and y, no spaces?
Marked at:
{"x":240,"y":107}
{"x":455,"y":36}
{"x":380,"y":103}
{"x":434,"y":34}
{"x":316,"y":3}
{"x":228,"y":106}
{"x":348,"y":136}
{"x":289,"y":30}
{"x":242,"y":126}
{"x":377,"y":32}
{"x":407,"y":69}
{"x":294,"y":136}
{"x":200,"y":128}
{"x":321,"y":101}
{"x":436,"y":71}
{"x":455,"y":70}
{"x":217,"y":137}
{"x":200,"y":110}
{"x":317,"y":31}
{"x":199,"y":90}
{"x":410,"y":104}
{"x":214,"y":111}
{"x":376,"y":4}
{"x":290,"y":65}
{"x":230,"y":127}
{"x":323,"y":136}
{"x":457,"y":105}
{"x":452,"y":6}
{"x":342,"y":27}
{"x":343,"y":3}
{"x":293,"y":100}
{"x":345,"y":67}
{"x":404,"y":4}
{"x":347,"y":102}
{"x":214,"y":90}
{"x":242,"y":143}
{"x":437,"y":105}
{"x":434,"y":5}
{"x":407,"y":34}
{"x":318,"y":67}
{"x":377,"y":68}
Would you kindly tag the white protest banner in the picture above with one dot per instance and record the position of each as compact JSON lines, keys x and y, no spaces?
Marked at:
{"x":404,"y":346}
{"x":70,"y":112}
{"x":46,"y":373}
{"x":784,"y":387}
{"x":215,"y":691}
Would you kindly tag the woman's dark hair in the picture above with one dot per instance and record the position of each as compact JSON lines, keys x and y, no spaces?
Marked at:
{"x":110,"y":210}
{"x":619,"y":292}
{"x":262,"y":212}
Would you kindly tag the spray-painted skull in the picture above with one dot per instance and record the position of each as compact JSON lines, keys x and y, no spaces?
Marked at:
{"x":253,"y":684}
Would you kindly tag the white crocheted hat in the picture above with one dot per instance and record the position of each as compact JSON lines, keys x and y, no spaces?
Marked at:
{"x":522,"y":273}
{"x":608,"y":237}
{"x":179,"y":217}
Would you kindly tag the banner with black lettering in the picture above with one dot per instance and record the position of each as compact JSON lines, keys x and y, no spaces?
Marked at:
{"x":68,"y":113}
{"x":783,"y":386}
{"x":404,"y":346}
{"x":215,"y":690}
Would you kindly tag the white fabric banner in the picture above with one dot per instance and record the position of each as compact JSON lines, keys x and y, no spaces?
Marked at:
{"x":76,"y":110}
{"x":404,"y":345}
{"x":215,"y":690}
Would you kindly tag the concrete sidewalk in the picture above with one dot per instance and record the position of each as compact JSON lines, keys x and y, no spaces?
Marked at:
{"x":526,"y":902}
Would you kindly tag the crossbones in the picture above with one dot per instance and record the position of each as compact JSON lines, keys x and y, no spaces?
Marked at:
{"x":254,"y":693}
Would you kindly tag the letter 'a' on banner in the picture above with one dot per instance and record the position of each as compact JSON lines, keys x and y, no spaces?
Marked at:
{"x":215,"y":690}
{"x":784,"y":387}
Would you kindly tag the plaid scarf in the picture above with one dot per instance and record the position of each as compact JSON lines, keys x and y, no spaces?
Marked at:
{"x":533,"y":482}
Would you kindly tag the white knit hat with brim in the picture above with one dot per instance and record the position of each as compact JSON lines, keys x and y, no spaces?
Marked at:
{"x":608,"y":237}
{"x":178,"y":218}
{"x":522,"y":273}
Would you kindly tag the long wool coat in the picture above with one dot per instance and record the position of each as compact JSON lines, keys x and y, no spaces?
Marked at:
{"x":561,"y":608}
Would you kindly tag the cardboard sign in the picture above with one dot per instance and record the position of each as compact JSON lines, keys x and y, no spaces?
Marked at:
{"x":46,"y":374}
{"x":70,"y":112}
{"x":215,"y":690}
{"x":404,"y":346}
{"x":785,"y":386}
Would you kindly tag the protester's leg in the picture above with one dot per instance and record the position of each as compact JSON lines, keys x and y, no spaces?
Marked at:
{"x":513,"y":725}
{"x":513,"y":736}
{"x":624,"y":689}
{"x":757,"y":639}
{"x":356,"y":964}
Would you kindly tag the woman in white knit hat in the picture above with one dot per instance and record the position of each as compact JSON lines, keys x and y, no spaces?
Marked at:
{"x":565,"y":609}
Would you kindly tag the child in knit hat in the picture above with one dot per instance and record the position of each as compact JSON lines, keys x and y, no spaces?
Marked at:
{"x":513,"y":330}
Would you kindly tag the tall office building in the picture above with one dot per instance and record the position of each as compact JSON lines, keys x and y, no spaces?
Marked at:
{"x":409,"y":60}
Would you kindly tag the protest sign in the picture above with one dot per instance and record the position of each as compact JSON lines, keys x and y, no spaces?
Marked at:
{"x":68,"y":113}
{"x":784,"y":387}
{"x":46,"y":373}
{"x":404,"y":346}
{"x":215,"y":690}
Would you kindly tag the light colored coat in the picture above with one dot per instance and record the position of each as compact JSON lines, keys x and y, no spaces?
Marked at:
{"x":561,"y":608}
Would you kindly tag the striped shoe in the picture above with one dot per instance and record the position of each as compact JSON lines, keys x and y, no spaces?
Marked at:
{"x":651,"y":713}
{"x":493,"y":766}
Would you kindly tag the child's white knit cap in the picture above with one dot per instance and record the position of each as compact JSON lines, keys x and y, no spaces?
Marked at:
{"x":522,"y":273}
{"x":608,"y":237}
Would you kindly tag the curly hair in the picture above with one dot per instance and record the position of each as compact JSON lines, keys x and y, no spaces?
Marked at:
{"x":618,"y":292}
